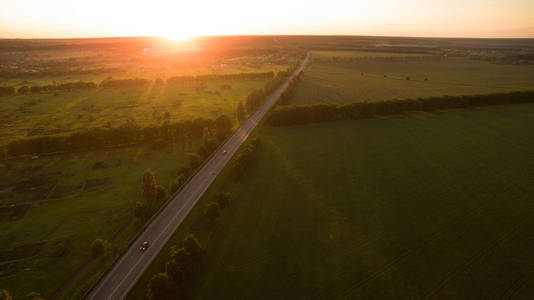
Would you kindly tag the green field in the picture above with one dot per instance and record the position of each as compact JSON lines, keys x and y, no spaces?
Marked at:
{"x":363,"y":80}
{"x":71,"y":199}
{"x":42,"y":114}
{"x":429,"y":205}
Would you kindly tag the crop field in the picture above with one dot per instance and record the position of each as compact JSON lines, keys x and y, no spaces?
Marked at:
{"x":426,"y":205}
{"x":69,"y":200}
{"x":44,"y":114}
{"x":383,"y":76}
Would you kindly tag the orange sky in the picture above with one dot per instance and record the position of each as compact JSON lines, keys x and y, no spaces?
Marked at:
{"x":180,"y":19}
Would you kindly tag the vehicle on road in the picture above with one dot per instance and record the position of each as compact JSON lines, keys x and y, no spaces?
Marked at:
{"x":224,"y":151}
{"x":144,"y":246}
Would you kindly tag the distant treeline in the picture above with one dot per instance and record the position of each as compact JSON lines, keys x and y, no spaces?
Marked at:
{"x":125,"y":83}
{"x":255,"y":99}
{"x":302,"y":114}
{"x":290,"y":90}
{"x":54,"y":88}
{"x":210,"y":77}
{"x":98,"y":138}
{"x":347,"y":59}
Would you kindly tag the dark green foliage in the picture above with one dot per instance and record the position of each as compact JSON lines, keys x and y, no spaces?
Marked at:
{"x":161,"y":193}
{"x":257,"y":97}
{"x":192,"y":246}
{"x":23,"y":90}
{"x":149,"y":187}
{"x":223,"y":125}
{"x":175,"y":271}
{"x":184,"y":261}
{"x":302,"y":114}
{"x":54,"y":88}
{"x":209,"y":77}
{"x":194,"y":161}
{"x":98,"y":247}
{"x":97,"y":138}
{"x":161,"y":288}
{"x":212,"y":211}
{"x":290,"y":90}
{"x":223,"y":199}
{"x":246,"y":157}
{"x":123,"y":83}
{"x":177,"y":183}
{"x":34,"y":296}
{"x":4,"y":295}
{"x":59,"y":250}
{"x":154,"y":196}
{"x":241,"y":113}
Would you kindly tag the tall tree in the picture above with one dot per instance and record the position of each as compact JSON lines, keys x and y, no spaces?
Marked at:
{"x":4,"y":295}
{"x":149,"y":187}
{"x":161,"y":288}
{"x":241,"y":114}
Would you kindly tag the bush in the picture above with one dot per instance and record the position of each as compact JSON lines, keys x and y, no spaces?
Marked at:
{"x":212,"y":211}
{"x":4,"y":295}
{"x":161,"y":287}
{"x":34,"y":296}
{"x":223,"y":199}
{"x":194,"y":161}
{"x":99,"y":247}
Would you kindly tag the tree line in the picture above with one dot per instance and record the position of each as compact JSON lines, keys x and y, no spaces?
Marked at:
{"x":211,"y":77}
{"x":50,"y":88}
{"x":290,"y":90}
{"x":127,"y":134}
{"x":302,"y":114}
{"x":123,"y":83}
{"x":257,"y":97}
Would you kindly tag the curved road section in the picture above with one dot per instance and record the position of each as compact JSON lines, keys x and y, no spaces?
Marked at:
{"x":125,"y":273}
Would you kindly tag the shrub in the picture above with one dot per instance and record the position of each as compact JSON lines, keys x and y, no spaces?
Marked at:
{"x":99,"y":247}
{"x":4,"y":295}
{"x":212,"y":211}
{"x":223,"y":199}
{"x":161,"y":287}
{"x":34,"y":296}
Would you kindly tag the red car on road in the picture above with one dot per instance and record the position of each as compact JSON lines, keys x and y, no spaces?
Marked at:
{"x":144,"y":246}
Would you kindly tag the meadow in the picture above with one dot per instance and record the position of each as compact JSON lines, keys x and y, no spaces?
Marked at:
{"x":65,"y":202}
{"x":371,"y":76}
{"x":424,"y":205}
{"x":57,"y":113}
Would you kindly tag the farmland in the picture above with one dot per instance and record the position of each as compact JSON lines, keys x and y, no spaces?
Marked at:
{"x":426,"y":205}
{"x":52,"y":207}
{"x":375,"y":76}
{"x":52,"y":113}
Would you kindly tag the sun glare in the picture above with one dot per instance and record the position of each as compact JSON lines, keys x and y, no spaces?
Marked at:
{"x":178,"y":36}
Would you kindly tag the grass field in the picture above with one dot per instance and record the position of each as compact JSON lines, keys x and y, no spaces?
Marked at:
{"x":71,"y":199}
{"x":364,"y":80}
{"x":429,"y":205}
{"x":31,"y":115}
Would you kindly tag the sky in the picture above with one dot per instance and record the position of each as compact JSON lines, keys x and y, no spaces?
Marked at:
{"x":180,"y":19}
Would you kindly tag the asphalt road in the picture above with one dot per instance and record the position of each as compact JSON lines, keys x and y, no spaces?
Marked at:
{"x":129,"y":268}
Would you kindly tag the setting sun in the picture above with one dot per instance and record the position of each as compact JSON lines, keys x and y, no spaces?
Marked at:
{"x":178,"y":36}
